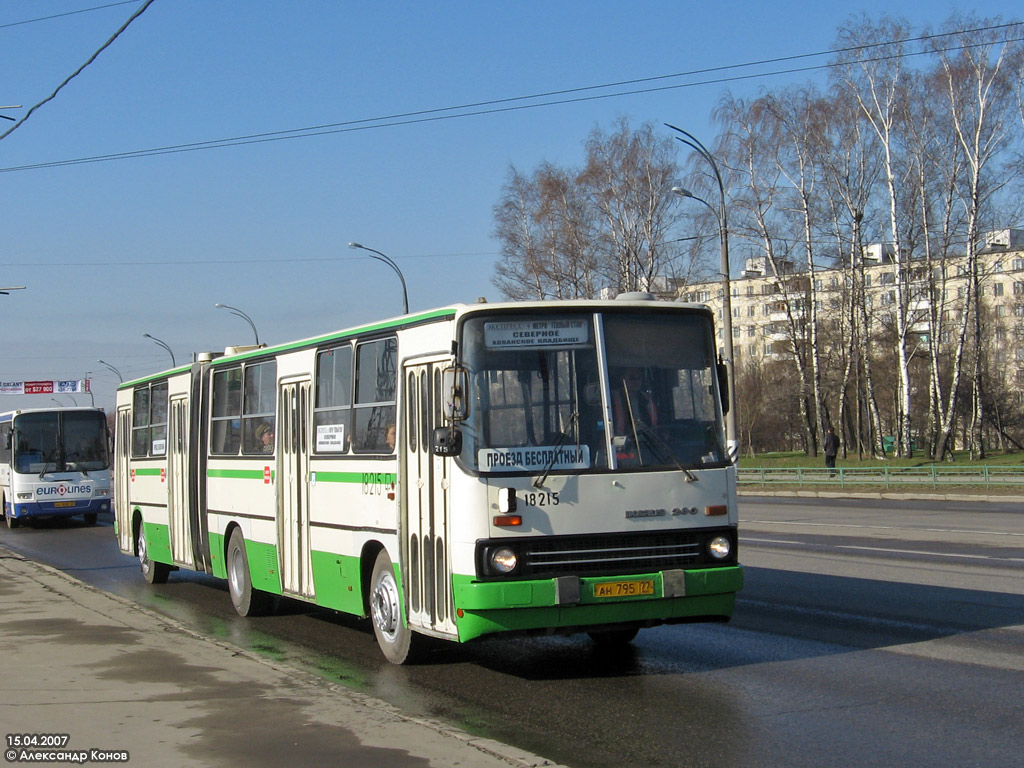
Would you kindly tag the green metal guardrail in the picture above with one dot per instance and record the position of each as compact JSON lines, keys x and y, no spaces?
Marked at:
{"x":889,"y":477}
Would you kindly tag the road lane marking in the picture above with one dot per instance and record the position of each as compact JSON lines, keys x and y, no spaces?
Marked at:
{"x":877,"y":527}
{"x":933,"y":554}
{"x":749,"y":540}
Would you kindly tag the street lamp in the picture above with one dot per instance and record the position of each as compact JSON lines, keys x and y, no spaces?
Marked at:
{"x":374,"y":254}
{"x":116,"y":372}
{"x":174,"y":363}
{"x":88,"y":385}
{"x":239,"y":313}
{"x":732,"y":445}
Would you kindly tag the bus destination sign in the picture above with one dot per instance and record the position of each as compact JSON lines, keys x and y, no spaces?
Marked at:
{"x":516,"y":334}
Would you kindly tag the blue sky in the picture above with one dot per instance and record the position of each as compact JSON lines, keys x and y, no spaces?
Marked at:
{"x":112,"y":250}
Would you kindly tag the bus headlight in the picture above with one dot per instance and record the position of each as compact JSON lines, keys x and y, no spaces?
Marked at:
{"x":720,"y":547}
{"x":504,"y":560}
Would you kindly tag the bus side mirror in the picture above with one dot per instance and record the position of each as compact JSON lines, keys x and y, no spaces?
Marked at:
{"x":447,"y":441}
{"x":723,"y":387}
{"x":8,"y":440}
{"x":455,"y":386}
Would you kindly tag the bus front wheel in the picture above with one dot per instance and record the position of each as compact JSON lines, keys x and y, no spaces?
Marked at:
{"x":393,"y":635}
{"x":152,"y":571}
{"x":248,"y":600}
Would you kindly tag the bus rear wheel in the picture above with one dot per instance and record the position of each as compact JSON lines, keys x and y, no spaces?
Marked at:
{"x":248,"y":600}
{"x":394,"y":637}
{"x":152,"y":571}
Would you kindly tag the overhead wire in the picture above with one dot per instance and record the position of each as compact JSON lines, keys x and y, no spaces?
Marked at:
{"x":66,"y":13}
{"x":77,"y":72}
{"x":511,"y":104}
{"x":272,"y":260}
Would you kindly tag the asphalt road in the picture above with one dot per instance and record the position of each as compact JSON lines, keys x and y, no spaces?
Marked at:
{"x":868,"y":634}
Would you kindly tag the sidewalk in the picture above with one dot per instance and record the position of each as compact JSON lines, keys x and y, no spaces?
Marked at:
{"x":118,"y":678}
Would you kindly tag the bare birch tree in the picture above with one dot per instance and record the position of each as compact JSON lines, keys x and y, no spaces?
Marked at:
{"x":978,"y":80}
{"x":608,"y":227}
{"x":875,"y":80}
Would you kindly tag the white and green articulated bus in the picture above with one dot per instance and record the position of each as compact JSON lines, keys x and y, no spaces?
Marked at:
{"x":54,"y":462}
{"x":543,"y":467}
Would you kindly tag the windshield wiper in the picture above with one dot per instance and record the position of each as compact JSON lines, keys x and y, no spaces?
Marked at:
{"x":77,"y":465}
{"x":47,"y":461}
{"x":664,"y":449}
{"x":539,"y":482}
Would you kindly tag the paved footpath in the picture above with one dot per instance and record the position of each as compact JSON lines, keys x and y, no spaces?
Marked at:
{"x":115,"y":678}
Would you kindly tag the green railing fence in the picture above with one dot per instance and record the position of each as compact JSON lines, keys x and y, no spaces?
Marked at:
{"x":887,"y":477}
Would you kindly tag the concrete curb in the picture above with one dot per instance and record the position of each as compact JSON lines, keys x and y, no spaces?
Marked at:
{"x":35,"y":592}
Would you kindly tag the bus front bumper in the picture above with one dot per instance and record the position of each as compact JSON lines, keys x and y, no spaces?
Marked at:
{"x":571,"y":603}
{"x":58,"y":509}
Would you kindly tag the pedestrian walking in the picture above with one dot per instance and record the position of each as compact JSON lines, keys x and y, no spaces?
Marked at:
{"x":831,"y":450}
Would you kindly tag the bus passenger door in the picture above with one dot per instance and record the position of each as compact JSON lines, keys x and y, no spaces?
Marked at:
{"x":122,"y":473}
{"x":427,"y":574}
{"x":293,"y":488}
{"x":179,"y":512}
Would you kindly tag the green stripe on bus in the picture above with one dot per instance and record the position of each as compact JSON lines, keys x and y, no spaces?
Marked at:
{"x":155,"y":376}
{"x":338,"y":582}
{"x":522,"y":605}
{"x":337,"y":477}
{"x":158,"y":542}
{"x":389,"y":325}
{"x":377,"y":478}
{"x":239,"y":474}
{"x":262,"y":563}
{"x":148,"y":471}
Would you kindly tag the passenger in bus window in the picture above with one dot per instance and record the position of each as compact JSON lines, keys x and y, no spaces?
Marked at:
{"x":265,"y":434}
{"x":390,"y":437}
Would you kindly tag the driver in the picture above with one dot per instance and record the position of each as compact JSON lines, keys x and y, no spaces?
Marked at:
{"x":632,"y":402}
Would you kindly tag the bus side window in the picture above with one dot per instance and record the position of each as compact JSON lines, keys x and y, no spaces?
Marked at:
{"x":259,"y":409}
{"x":226,"y":424}
{"x":332,"y":412}
{"x":376,"y":383}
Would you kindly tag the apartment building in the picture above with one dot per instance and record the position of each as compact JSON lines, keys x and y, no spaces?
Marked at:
{"x":768,"y":304}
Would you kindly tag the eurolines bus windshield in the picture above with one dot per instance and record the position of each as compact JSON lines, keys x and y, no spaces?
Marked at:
{"x":54,"y":462}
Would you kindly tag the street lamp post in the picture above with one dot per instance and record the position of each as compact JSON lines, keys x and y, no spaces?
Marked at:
{"x":239,"y":313}
{"x":117,"y":373}
{"x":732,"y":444}
{"x":375,"y":254}
{"x":174,"y":363}
{"x":88,"y":384}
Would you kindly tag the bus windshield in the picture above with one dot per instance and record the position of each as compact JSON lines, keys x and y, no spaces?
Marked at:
{"x":60,"y":441}
{"x":545,"y":398}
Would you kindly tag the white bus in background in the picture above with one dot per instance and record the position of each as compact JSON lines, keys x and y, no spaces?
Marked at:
{"x":550,"y":467}
{"x":54,"y":462}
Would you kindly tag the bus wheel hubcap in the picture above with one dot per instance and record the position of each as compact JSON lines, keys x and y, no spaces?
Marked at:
{"x":385,"y":606}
